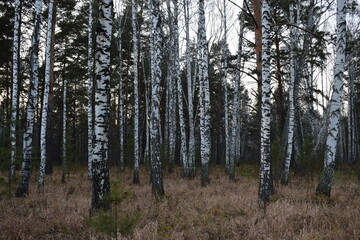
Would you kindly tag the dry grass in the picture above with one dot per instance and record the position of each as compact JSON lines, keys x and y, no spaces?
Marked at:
{"x":223,"y":210}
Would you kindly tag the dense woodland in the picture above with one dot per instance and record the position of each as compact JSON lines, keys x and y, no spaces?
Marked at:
{"x":159,"y":86}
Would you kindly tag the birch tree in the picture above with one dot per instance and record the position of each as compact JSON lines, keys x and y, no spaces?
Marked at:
{"x":225,"y":89}
{"x":183,"y":144}
{"x":171,"y":91}
{"x":190,"y":166}
{"x":235,"y":126}
{"x":44,"y":110}
{"x":90,"y":123}
{"x":324,"y":187}
{"x":136,"y":90}
{"x":204,"y":95}
{"x":156,"y":170}
{"x":64,"y":158}
{"x":100,"y":165}
{"x":291,"y":120}
{"x":23,"y":187}
{"x":265,"y":157}
{"x":15,"y":80}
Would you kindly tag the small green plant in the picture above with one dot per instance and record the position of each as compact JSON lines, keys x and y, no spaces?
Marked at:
{"x":113,"y":222}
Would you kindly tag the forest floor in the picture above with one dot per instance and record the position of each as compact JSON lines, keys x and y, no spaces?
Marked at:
{"x":224,"y":209}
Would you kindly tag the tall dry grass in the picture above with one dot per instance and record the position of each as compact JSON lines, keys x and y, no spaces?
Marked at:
{"x":223,"y":210}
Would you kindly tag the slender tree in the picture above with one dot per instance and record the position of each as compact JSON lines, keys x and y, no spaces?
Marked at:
{"x":190,"y":166}
{"x":136,"y":90}
{"x":64,"y":157}
{"x":23,"y":187}
{"x":90,"y":123}
{"x":291,"y":120}
{"x":171,"y":91}
{"x":156,"y":169}
{"x":204,"y":96}
{"x":44,"y":111}
{"x":235,"y":127}
{"x":265,"y":160}
{"x":100,"y":165}
{"x":324,"y":187}
{"x":15,"y":83}
{"x":229,"y":164}
{"x":183,"y":144}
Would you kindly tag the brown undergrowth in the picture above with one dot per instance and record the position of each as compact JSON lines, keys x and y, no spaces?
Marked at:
{"x":224,"y":209}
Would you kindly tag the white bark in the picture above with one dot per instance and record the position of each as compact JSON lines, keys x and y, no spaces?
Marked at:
{"x":136,"y":90}
{"x":204,"y":95}
{"x":90,"y":92}
{"x":15,"y":78}
{"x":121,"y":107}
{"x":265,"y":161}
{"x":291,"y":118}
{"x":190,"y":167}
{"x":235,"y":122}
{"x":225,"y":89}
{"x":171,"y":90}
{"x":335,"y":103}
{"x":31,"y":104}
{"x":156,"y":169}
{"x":100,"y":166}
{"x":64,"y":158}
{"x":183,"y":144}
{"x":44,"y":110}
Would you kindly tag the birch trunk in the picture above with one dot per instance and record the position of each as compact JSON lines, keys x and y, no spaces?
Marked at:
{"x":189,"y":168}
{"x":235,"y":126}
{"x":121,"y":107}
{"x":229,"y":165}
{"x":44,"y":110}
{"x":204,"y":96}
{"x":290,"y":133}
{"x":324,"y":187}
{"x":136,"y":90}
{"x":265,"y":160}
{"x":183,"y":144}
{"x":156,"y":169}
{"x":15,"y":83}
{"x":90,"y":92}
{"x":100,"y":165}
{"x":23,"y":187}
{"x":171,"y":91}
{"x":64,"y":158}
